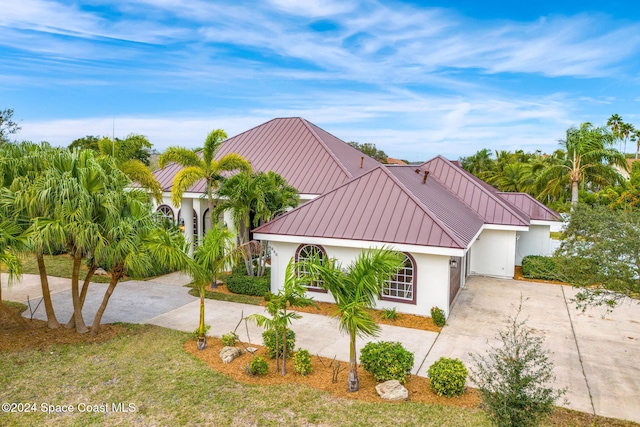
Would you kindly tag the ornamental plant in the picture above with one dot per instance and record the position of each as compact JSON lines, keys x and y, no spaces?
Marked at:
{"x":447,"y":377}
{"x":437,"y":314}
{"x":258,"y":366}
{"x":229,"y":340}
{"x":387,"y":360}
{"x":302,"y":362}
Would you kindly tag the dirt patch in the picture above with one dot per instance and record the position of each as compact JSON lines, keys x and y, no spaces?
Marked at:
{"x":320,"y":378}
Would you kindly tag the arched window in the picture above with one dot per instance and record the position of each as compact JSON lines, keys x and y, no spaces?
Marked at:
{"x":401,"y":287}
{"x":166,"y":212}
{"x":305,"y":253}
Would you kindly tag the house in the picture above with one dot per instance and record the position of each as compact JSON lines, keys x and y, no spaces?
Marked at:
{"x":448,"y":223}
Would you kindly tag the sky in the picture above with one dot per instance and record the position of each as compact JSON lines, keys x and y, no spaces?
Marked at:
{"x":415,"y":78}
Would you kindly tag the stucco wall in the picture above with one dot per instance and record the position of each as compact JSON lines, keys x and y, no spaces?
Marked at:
{"x":431,"y":286}
{"x":533,"y":242}
{"x":493,"y":254}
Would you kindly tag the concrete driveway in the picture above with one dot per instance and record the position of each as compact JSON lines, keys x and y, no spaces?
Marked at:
{"x":596,"y":354}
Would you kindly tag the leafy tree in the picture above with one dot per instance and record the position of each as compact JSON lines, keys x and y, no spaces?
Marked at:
{"x":479,"y":163}
{"x":12,"y":243}
{"x":515,"y":380}
{"x":355,"y":289}
{"x":600,"y":254}
{"x":590,"y":158}
{"x":7,"y":125}
{"x":290,"y":296}
{"x":255,"y":198}
{"x":89,"y":142}
{"x":370,"y":150}
{"x":205,"y":167}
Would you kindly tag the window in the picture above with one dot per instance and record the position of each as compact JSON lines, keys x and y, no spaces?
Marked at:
{"x":401,"y":287}
{"x":166,"y":212}
{"x":305,"y":253}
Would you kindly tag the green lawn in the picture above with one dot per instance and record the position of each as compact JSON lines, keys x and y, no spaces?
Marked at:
{"x":148,"y":368}
{"x":243,"y":299}
{"x":60,"y":266}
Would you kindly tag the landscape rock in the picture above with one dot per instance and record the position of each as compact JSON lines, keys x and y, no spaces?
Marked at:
{"x":392,"y":390}
{"x":227,"y":354}
{"x":100,"y":272}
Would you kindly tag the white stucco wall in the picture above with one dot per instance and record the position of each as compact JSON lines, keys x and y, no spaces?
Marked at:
{"x":536,"y":241}
{"x":431,"y":286}
{"x":493,"y":254}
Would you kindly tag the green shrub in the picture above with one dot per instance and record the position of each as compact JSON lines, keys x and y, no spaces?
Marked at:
{"x":539,"y":267}
{"x":437,"y":314}
{"x":229,"y":340}
{"x":258,"y":366}
{"x":387,"y":361}
{"x":195,"y":333}
{"x":269,"y":338}
{"x":447,"y":377}
{"x":240,"y":283}
{"x":302,"y":362}
{"x":390,"y":314}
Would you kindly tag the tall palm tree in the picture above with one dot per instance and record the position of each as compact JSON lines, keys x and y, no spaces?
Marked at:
{"x":590,"y":157}
{"x":198,"y":167}
{"x":135,"y":243}
{"x":354,"y":290}
{"x":12,"y":243}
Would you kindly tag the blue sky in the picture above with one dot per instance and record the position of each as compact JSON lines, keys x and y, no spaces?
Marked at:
{"x":415,"y":78}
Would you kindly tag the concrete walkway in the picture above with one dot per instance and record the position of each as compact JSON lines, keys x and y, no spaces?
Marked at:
{"x":595,"y":353}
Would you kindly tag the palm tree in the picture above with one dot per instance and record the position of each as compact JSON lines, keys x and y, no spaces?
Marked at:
{"x":214,"y":255}
{"x":355,"y":290}
{"x":590,"y":158}
{"x":135,"y":243}
{"x":205,"y":167}
{"x":12,"y":243}
{"x":479,"y":163}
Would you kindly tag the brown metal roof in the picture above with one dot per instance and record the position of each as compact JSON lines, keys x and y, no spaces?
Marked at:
{"x":309,"y":158}
{"x":530,"y":206}
{"x":377,"y":207}
{"x":492,"y":208}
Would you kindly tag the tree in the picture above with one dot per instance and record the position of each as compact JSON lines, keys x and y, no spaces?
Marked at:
{"x":590,"y":158}
{"x":291,"y":295}
{"x":135,"y":243}
{"x":89,"y":142}
{"x":133,"y":147}
{"x":255,"y":198}
{"x":370,"y":150}
{"x":196,"y":167}
{"x":355,"y":290}
{"x":600,"y":254}
{"x":12,"y":243}
{"x":479,"y":163}
{"x":515,"y":380}
{"x":7,"y":125}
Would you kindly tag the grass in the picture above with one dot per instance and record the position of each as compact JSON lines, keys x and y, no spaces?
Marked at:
{"x":60,"y":266}
{"x":243,"y":299}
{"x":148,"y":368}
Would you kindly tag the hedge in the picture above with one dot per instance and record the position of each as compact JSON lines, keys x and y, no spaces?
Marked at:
{"x":539,"y":267}
{"x":240,"y":283}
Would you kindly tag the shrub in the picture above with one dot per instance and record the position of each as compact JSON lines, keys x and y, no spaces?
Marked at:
{"x":229,"y":340}
{"x":258,"y":366}
{"x":195,"y":333}
{"x":539,"y":267}
{"x":269,"y":338}
{"x":515,"y":380}
{"x":447,"y":377}
{"x":437,"y":314}
{"x":302,"y":362}
{"x":387,"y":360}
{"x":240,"y":283}
{"x":390,"y":314}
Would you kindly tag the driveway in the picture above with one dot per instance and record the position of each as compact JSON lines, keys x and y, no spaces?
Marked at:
{"x":596,"y":354}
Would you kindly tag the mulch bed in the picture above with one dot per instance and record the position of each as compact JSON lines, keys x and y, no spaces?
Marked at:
{"x":321,"y":376}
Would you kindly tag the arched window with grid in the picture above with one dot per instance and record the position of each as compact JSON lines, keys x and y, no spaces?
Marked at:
{"x":305,"y":253}
{"x":401,"y":287}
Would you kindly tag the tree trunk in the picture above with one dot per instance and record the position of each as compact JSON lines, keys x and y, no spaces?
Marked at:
{"x":211,"y":206}
{"x":83,"y":295}
{"x":75,"y":295}
{"x":284,"y":349}
{"x":574,"y":193}
{"x":353,"y":382}
{"x":52,"y":322}
{"x":202,"y":340}
{"x":115,"y":278}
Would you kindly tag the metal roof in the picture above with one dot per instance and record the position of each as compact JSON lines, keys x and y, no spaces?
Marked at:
{"x":530,"y":206}
{"x":378,"y":207}
{"x":485,"y":202}
{"x":309,"y":158}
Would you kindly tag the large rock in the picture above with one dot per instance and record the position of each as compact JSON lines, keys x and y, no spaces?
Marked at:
{"x":227,"y":354}
{"x":392,"y":390}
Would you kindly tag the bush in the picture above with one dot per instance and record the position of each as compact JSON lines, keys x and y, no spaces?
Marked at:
{"x":390,"y":314}
{"x":269,"y":338}
{"x":258,"y":366}
{"x":539,"y":267}
{"x":447,"y":377}
{"x":387,"y":361}
{"x":437,"y":314}
{"x":515,"y":380}
{"x":229,"y":340}
{"x":302,"y":362}
{"x":240,"y":283}
{"x":196,"y":334}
